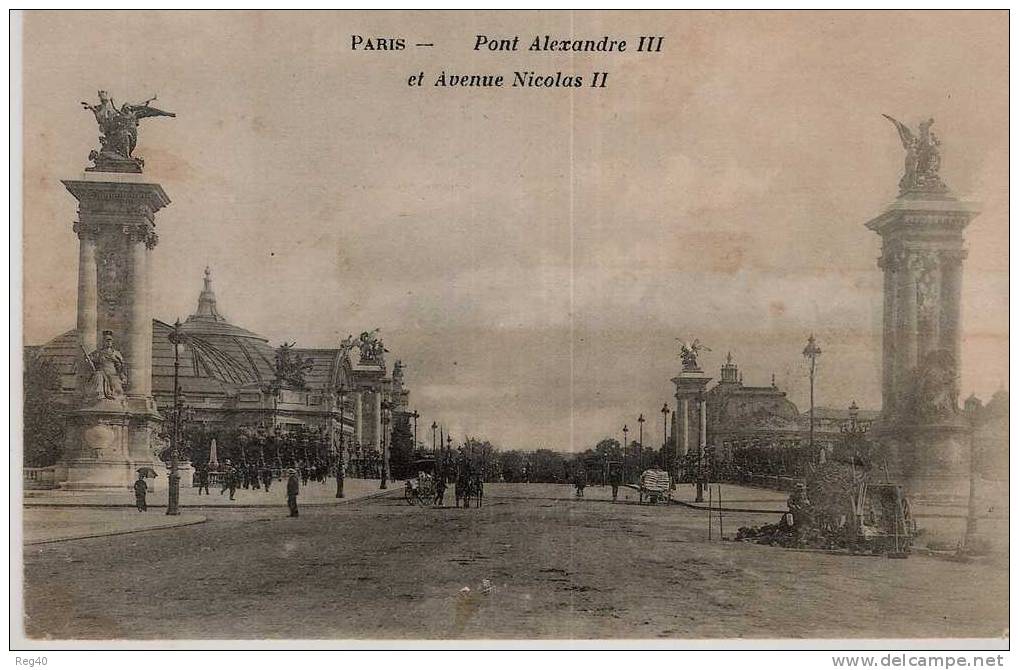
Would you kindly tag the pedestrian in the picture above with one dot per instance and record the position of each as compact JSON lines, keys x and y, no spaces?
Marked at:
{"x":229,"y":480}
{"x":266,"y":478}
{"x":255,"y":480}
{"x":440,"y":488}
{"x":140,"y":489}
{"x":615,"y":479}
{"x":293,"y":488}
{"x":203,"y":479}
{"x":580,"y":480}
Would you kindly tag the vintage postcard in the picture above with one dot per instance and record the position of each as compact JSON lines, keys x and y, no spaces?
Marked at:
{"x":682,"y":327}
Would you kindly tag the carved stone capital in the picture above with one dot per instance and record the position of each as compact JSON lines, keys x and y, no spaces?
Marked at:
{"x":952,"y":257}
{"x":893,"y":258}
{"x":139,"y":234}
{"x":85,"y":230}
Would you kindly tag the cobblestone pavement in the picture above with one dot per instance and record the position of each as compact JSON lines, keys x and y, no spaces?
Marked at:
{"x":561,"y":567}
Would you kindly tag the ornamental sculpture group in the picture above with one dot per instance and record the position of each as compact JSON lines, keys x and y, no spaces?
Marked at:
{"x":688,"y":353}
{"x":369,"y":344}
{"x":118,"y":133}
{"x":923,"y":160}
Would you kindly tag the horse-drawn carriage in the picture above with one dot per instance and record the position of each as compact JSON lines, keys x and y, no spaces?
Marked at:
{"x":469,"y":486}
{"x":422,"y":489}
{"x":654,"y":485}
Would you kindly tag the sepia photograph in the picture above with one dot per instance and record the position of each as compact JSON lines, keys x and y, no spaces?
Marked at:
{"x":664,"y":329}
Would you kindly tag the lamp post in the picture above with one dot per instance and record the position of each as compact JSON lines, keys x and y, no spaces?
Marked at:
{"x":626,"y":431}
{"x":640,"y":442}
{"x":176,"y":338}
{"x":415,"y":416}
{"x":811,"y":352}
{"x":434,"y":426}
{"x":665,"y":432}
{"x":342,"y":391}
{"x":384,"y":482}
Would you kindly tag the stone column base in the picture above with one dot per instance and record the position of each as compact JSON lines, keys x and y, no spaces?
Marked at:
{"x":931,"y":462}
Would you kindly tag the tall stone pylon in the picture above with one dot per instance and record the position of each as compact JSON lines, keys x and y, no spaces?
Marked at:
{"x":691,"y":417}
{"x":925,"y":440}
{"x":113,"y":431}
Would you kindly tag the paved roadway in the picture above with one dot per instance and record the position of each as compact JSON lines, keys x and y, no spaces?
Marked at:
{"x":562,"y":568}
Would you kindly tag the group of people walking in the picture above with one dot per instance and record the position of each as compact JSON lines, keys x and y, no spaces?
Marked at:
{"x":248,"y":476}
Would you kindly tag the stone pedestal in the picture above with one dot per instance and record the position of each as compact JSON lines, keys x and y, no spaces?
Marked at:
{"x":108,"y":439}
{"x":690,"y":428}
{"x":924,"y":440}
{"x":931,"y":461}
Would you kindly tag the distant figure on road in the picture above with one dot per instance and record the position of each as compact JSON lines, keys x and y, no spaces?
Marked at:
{"x":615,"y":479}
{"x":580,"y":480}
{"x":266,"y":478}
{"x":440,"y":488}
{"x":229,"y":480}
{"x":140,"y":489}
{"x":203,"y":479}
{"x":293,"y":488}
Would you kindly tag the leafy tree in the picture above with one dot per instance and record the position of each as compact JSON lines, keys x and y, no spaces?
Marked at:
{"x":511,"y":466}
{"x":44,"y":424}
{"x":401,"y":450}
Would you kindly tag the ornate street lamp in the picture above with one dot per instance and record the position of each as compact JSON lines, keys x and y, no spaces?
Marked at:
{"x":177,"y":339}
{"x":341,"y":390}
{"x":626,"y":431}
{"x":640,"y":442}
{"x":665,"y":432}
{"x":434,"y":426}
{"x":386,"y":408}
{"x":415,"y":416}
{"x":811,"y":352}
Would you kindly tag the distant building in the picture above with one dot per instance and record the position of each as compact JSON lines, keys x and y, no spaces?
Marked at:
{"x":741,"y":416}
{"x":229,"y":378}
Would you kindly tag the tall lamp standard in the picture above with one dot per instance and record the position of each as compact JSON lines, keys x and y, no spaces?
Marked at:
{"x":640,"y":442}
{"x":415,"y":416}
{"x":177,"y":339}
{"x":434,"y":426}
{"x":665,"y":432}
{"x":811,"y":352}
{"x":342,"y":391}
{"x":626,"y":431}
{"x":384,"y":483}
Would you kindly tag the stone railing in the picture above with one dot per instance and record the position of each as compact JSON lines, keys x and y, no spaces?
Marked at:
{"x":43,"y":478}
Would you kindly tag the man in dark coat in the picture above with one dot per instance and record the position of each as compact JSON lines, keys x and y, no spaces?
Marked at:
{"x":293,"y":488}
{"x":580,"y":480}
{"x":615,"y":479}
{"x":266,"y":477}
{"x":203,"y":479}
{"x":229,"y":480}
{"x":140,"y":489}
{"x":440,"y":487}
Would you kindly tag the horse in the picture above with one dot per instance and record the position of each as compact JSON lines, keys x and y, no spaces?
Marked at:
{"x":462,"y":488}
{"x":469,"y":486}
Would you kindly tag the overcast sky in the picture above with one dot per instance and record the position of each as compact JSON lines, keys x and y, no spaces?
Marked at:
{"x":533,"y":255}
